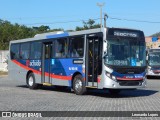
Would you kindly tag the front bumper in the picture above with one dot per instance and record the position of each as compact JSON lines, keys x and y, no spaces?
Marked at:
{"x":151,"y":73}
{"x":127,"y":84}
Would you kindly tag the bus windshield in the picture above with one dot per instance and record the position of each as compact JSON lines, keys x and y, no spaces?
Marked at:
{"x":125,"y":52}
{"x":154,"y":59}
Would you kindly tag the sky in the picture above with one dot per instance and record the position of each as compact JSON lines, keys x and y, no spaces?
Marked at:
{"x":67,"y":14}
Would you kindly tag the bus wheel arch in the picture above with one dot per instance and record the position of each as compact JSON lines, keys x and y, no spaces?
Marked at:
{"x":31,"y":80}
{"x":78,"y":84}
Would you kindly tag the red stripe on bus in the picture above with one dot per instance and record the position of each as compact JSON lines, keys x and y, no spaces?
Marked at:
{"x":39,"y":72}
{"x":25,"y":67}
{"x":58,"y":76}
{"x":61,"y":77}
{"x":118,"y":78}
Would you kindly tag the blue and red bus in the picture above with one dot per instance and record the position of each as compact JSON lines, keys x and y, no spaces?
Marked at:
{"x":102,"y":58}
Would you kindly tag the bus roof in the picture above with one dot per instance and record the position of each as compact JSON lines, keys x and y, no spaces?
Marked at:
{"x":57,"y":35}
{"x":60,"y":34}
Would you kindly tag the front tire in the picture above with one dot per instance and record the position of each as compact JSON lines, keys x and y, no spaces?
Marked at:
{"x":31,"y":81}
{"x":79,"y":85}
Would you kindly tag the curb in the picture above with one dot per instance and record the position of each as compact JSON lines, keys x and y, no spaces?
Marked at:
{"x":3,"y":76}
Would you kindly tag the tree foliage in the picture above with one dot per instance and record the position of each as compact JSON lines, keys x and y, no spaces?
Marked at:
{"x":9,"y":31}
{"x":90,"y":24}
{"x":156,"y":34}
{"x":15,"y":31}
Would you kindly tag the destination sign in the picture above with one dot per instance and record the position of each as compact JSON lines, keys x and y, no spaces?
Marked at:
{"x":154,"y":50}
{"x":125,"y":34}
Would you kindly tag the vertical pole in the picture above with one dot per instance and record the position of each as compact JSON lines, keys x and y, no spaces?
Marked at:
{"x":101,"y":17}
{"x":100,"y":5}
{"x":105,"y":20}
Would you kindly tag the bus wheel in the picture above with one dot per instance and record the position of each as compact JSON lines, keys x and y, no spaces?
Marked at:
{"x":114,"y":91}
{"x":79,"y":85}
{"x":31,"y":81}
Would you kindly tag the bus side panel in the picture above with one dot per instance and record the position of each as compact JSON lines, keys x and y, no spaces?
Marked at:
{"x":18,"y":70}
{"x":12,"y":70}
{"x":62,"y":71}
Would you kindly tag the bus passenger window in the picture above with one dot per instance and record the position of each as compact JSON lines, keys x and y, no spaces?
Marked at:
{"x":35,"y":50}
{"x":14,"y":51}
{"x":24,"y":50}
{"x":76,"y":46}
{"x":74,"y":53}
{"x":61,"y":48}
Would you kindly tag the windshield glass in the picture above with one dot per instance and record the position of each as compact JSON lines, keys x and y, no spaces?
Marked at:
{"x":124,"y":52}
{"x":154,"y":59}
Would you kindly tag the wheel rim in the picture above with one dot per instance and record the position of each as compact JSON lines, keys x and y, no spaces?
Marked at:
{"x":30,"y":81}
{"x":78,"y":85}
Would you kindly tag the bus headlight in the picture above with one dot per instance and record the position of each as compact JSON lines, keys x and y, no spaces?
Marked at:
{"x":110,"y":76}
{"x":113,"y":77}
{"x":149,"y":67}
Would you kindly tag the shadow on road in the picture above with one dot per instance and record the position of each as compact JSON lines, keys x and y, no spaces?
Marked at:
{"x":50,"y":88}
{"x":123,"y":93}
{"x":100,"y":93}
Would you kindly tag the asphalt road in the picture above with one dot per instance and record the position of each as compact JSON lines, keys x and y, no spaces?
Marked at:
{"x":15,"y":96}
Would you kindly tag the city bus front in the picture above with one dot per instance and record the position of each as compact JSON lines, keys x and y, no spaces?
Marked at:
{"x":153,"y":63}
{"x":124,"y":59}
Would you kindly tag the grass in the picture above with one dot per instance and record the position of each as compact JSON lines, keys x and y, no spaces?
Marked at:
{"x":3,"y":73}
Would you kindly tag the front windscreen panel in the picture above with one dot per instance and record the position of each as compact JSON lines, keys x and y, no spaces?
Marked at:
{"x":125,"y":52}
{"x":154,"y":59}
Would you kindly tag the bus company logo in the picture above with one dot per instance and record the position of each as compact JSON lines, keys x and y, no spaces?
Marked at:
{"x":35,"y":63}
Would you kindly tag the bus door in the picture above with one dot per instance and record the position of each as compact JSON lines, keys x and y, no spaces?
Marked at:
{"x":46,"y":63}
{"x":93,"y":59}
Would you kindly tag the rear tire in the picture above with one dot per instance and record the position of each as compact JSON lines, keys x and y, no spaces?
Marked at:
{"x":79,"y":85}
{"x":31,"y":81}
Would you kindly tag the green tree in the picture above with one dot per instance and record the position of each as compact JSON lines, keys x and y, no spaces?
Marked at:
{"x":41,"y":29}
{"x":15,"y":31}
{"x":10,"y":32}
{"x":90,"y":24}
{"x":156,"y":34}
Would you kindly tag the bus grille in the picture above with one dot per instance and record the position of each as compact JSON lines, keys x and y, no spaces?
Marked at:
{"x":129,"y":70}
{"x":130,"y":83}
{"x":126,"y":71}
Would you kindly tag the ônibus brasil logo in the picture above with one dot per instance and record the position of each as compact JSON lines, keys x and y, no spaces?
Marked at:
{"x":33,"y":63}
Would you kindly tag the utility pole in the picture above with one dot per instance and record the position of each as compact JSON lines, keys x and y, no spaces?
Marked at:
{"x":105,"y":20}
{"x":101,"y":5}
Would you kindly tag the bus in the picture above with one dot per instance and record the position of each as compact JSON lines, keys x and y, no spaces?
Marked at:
{"x":153,"y":63}
{"x":104,"y":58}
